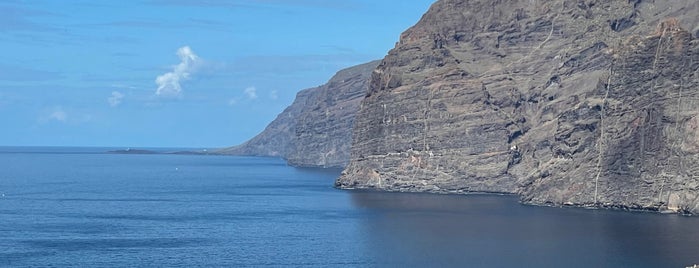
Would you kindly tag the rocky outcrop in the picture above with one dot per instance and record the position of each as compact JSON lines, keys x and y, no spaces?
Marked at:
{"x":316,"y":130}
{"x":568,"y":102}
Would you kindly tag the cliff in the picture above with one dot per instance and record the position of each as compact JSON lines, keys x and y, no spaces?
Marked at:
{"x":569,"y":102}
{"x":316,"y":130}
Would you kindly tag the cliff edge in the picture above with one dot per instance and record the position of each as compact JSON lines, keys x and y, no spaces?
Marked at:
{"x":568,"y":102}
{"x":316,"y":129}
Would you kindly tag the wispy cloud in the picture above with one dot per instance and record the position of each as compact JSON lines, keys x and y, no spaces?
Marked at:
{"x":3,"y":99}
{"x":21,"y":74}
{"x":274,"y":95}
{"x":115,"y":99}
{"x":169,"y":83}
{"x":251,"y":93}
{"x":58,"y":114}
{"x":19,"y":19}
{"x":325,"y":4}
{"x":191,"y":23}
{"x":296,"y":64}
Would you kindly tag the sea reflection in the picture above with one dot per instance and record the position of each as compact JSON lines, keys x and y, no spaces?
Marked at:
{"x":496,"y":231}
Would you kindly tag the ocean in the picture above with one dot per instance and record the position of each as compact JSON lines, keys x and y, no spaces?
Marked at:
{"x":82,"y":207}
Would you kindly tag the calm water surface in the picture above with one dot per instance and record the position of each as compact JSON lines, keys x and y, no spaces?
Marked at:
{"x":80,"y":207}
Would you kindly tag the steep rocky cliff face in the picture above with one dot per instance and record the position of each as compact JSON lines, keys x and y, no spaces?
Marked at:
{"x":324,"y":128}
{"x":316,"y":130}
{"x":566,"y":102}
{"x":276,"y":139}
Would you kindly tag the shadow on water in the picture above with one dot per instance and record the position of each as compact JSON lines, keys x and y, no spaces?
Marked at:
{"x":497,"y":231}
{"x":134,"y":210}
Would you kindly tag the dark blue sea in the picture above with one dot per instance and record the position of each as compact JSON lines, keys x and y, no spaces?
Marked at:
{"x":81,"y":207}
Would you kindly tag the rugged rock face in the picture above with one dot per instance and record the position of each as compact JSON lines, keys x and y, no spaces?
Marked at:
{"x":276,"y":139}
{"x":567,"y":102}
{"x":324,"y":128}
{"x":316,"y":130}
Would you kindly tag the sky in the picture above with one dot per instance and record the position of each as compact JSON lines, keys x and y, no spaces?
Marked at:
{"x":176,"y":73}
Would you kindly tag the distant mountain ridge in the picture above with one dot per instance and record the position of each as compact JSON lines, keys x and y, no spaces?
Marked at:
{"x":316,"y":129}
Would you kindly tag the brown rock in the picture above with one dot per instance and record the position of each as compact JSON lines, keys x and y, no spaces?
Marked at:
{"x":590,"y":103}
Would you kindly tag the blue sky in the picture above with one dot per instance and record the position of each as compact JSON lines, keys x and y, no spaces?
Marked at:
{"x":176,"y":73}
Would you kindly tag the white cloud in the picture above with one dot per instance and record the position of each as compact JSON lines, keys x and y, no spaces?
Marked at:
{"x":273,"y":95}
{"x":251,"y":93}
{"x":66,"y":116}
{"x":115,"y":99}
{"x":232,"y":102}
{"x":58,"y":114}
{"x":169,"y":83}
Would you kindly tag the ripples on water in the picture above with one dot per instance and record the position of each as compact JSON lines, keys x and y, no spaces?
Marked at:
{"x":94,"y":209}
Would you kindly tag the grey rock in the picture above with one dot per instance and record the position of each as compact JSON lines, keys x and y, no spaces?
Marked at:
{"x":587,"y":103}
{"x":316,"y":129}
